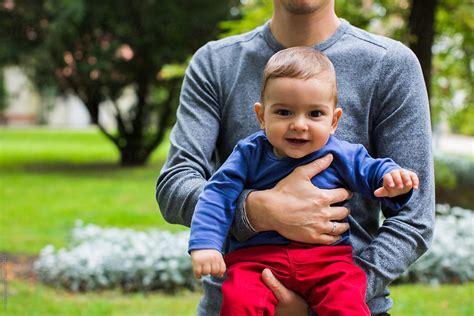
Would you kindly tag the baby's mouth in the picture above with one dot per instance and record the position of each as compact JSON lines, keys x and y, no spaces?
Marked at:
{"x":297,"y":141}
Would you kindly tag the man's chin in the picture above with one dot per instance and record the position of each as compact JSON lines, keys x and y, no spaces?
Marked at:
{"x":301,"y":10}
{"x":298,"y":8}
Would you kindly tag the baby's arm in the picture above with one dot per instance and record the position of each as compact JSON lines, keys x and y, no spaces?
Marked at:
{"x":379,"y":178}
{"x":215,"y":212}
{"x":207,"y":261}
{"x":397,"y":182}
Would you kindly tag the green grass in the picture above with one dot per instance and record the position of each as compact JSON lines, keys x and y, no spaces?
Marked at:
{"x":425,"y":300}
{"x":51,"y":178}
{"x":34,"y":299}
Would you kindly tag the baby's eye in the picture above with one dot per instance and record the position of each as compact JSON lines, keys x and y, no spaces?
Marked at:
{"x":315,"y":113}
{"x":283,"y":112}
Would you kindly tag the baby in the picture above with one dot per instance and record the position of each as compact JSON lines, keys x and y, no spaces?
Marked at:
{"x":298,"y":116}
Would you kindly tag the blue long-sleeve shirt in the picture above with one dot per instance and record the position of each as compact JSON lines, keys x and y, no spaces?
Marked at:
{"x":253,"y":165}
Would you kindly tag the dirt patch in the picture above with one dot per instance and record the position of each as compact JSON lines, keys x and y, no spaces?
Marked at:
{"x":17,"y":267}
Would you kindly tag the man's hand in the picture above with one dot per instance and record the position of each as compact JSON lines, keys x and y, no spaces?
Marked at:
{"x":297,"y":209}
{"x":207,"y":261}
{"x":397,"y":182}
{"x":289,"y":303}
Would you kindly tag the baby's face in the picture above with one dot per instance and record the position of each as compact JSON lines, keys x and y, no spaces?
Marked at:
{"x":298,"y":115}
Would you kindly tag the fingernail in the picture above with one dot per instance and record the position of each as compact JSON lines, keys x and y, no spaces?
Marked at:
{"x":327,"y":158}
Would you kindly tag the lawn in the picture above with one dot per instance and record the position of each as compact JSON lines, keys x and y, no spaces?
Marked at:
{"x":51,"y":178}
{"x":425,"y":300}
{"x":33,"y":299}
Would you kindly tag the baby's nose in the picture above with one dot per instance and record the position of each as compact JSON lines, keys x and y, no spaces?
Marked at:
{"x":299,"y":124}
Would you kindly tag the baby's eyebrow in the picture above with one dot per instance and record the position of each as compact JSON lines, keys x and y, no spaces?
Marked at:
{"x":319,"y":106}
{"x":280,"y":104}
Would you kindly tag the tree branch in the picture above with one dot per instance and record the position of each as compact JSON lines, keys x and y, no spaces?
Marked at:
{"x":120,"y":122}
{"x":108,"y":135}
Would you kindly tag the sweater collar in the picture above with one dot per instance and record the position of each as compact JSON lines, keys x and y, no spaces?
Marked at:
{"x":276,"y":46}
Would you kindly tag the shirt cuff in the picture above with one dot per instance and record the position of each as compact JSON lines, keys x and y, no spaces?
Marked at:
{"x":241,"y":228}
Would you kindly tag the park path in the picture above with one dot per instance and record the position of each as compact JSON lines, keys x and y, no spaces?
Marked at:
{"x":456,"y":144}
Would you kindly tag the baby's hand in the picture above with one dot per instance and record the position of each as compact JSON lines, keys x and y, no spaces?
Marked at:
{"x":397,"y":182}
{"x":207,"y":261}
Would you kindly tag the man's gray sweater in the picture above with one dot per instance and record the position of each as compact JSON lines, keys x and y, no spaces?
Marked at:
{"x":385,"y":105}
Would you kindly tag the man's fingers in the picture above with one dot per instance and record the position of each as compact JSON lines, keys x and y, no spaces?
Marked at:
{"x":281,"y":292}
{"x":313,"y":168}
{"x":338,"y":213}
{"x":326,"y":239}
{"x":337,"y":228}
{"x":337,"y":195}
{"x":289,"y":303}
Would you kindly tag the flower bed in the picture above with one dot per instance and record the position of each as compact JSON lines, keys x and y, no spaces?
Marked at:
{"x":102,"y":258}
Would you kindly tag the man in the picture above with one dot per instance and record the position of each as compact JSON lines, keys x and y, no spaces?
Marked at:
{"x":382,"y":92}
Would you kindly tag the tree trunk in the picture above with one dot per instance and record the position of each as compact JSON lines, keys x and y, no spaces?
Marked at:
{"x":133,"y":156}
{"x":421,"y":25}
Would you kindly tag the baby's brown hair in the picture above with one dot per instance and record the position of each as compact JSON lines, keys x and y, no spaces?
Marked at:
{"x":298,"y":62}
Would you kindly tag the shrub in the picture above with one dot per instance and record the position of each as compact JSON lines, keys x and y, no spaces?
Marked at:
{"x":450,"y":258}
{"x":103,"y":258}
{"x":454,"y":177}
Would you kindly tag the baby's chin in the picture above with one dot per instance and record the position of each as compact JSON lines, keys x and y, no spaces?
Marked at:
{"x":297,"y":155}
{"x":300,"y":154}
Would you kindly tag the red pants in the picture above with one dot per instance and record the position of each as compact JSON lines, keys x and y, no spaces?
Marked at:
{"x":325,"y":276}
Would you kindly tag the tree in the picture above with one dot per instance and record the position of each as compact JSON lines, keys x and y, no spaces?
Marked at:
{"x":421,"y":25}
{"x":453,"y":65}
{"x":98,"y":49}
{"x":3,"y":93}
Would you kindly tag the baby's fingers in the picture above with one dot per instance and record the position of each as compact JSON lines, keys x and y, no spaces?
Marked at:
{"x":218,"y":268}
{"x":223,"y":268}
{"x":388,"y":181}
{"x":406,"y":177}
{"x":415,"y":180}
{"x":397,"y":179}
{"x":206,"y":269}
{"x":197,"y":271}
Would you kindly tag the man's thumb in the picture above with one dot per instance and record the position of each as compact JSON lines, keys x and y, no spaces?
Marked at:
{"x":273,"y":284}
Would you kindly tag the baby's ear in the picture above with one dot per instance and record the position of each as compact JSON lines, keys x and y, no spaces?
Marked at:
{"x":260,"y":113}
{"x":335,"y":119}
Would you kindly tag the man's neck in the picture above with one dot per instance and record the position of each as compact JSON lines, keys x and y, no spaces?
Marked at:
{"x":291,"y":29}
